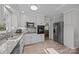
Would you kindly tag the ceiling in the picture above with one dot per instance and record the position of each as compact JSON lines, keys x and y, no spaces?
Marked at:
{"x":44,"y":9}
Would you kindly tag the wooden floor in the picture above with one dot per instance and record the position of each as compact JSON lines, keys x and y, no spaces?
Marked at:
{"x":38,"y":48}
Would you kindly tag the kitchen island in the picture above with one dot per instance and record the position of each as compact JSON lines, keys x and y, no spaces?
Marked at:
{"x":32,"y":38}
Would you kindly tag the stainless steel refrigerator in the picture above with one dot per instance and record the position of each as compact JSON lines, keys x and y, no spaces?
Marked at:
{"x":58,"y":32}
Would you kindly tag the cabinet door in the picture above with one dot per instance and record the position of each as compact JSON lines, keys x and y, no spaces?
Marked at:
{"x":40,"y":20}
{"x":14,"y":21}
{"x":70,"y":18}
{"x":21,"y":45}
{"x":67,"y":19}
{"x":33,"y":38}
{"x":40,"y":37}
{"x":30,"y":39}
{"x":27,"y":39}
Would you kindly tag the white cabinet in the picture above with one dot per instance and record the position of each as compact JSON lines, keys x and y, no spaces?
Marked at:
{"x":8,"y":20}
{"x":21,"y":45}
{"x":37,"y":19}
{"x":27,"y":39}
{"x":69,"y":18}
{"x":71,"y":28}
{"x":40,"y":37}
{"x":33,"y":38}
{"x":14,"y":21}
{"x":40,"y":20}
{"x":23,"y":20}
{"x":68,"y":30}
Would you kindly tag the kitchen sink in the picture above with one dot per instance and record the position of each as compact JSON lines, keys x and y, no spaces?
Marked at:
{"x":14,"y":37}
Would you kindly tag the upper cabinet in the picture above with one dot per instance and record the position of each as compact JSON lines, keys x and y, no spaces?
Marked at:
{"x":40,"y":20}
{"x":10,"y":19}
{"x":24,"y":19}
{"x":70,"y":17}
{"x":36,"y":19}
{"x":14,"y":21}
{"x":2,"y":19}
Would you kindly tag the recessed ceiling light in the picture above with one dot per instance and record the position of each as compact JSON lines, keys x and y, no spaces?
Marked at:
{"x":34,"y":7}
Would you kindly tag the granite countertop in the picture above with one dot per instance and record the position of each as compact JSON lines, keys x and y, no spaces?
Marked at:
{"x":6,"y":46}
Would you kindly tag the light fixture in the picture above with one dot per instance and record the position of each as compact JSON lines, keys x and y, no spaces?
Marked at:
{"x":34,"y":7}
{"x":7,"y":6}
{"x":22,"y":11}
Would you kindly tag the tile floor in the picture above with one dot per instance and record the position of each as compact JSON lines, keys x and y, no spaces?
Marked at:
{"x":38,"y":48}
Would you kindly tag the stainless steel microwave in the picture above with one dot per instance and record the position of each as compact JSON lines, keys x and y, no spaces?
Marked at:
{"x":29,"y":24}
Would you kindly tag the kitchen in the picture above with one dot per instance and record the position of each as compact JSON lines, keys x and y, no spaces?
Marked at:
{"x":27,"y":32}
{"x":23,"y":25}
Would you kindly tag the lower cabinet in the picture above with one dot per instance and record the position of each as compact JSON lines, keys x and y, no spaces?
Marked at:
{"x":33,"y":38}
{"x":16,"y":50}
{"x":19,"y":47}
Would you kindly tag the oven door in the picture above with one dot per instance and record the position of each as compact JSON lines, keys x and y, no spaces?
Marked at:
{"x":40,"y":29}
